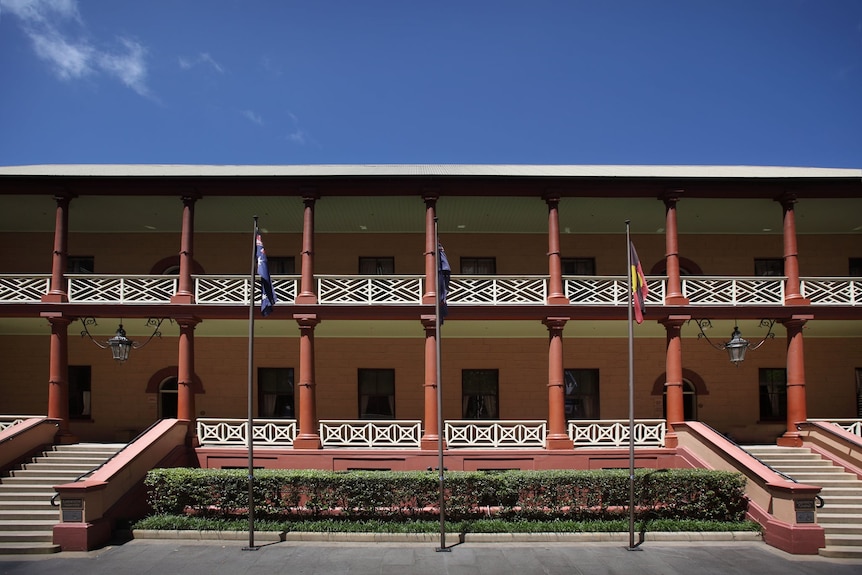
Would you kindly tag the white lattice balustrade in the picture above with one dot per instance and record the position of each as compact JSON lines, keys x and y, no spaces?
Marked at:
{"x":404,"y":434}
{"x":615,"y":432}
{"x":267,"y":432}
{"x":488,"y":434}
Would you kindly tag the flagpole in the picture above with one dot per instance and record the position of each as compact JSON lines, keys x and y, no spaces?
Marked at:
{"x":440,"y":432}
{"x":249,"y":431}
{"x":631,"y":392}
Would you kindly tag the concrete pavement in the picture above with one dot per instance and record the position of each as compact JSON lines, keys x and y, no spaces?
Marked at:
{"x":208,"y":557}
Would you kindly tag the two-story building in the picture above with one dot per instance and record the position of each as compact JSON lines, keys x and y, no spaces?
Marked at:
{"x":533,"y":352}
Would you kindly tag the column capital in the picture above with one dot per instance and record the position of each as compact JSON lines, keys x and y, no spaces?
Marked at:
{"x":306,"y":320}
{"x":552,"y":197}
{"x":555,"y":323}
{"x":675,"y":321}
{"x":787,"y":199}
{"x":671,"y":196}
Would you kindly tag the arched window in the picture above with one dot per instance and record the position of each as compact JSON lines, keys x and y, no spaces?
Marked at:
{"x":168,"y":398}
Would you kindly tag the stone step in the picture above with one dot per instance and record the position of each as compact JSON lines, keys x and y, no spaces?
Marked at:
{"x":56,"y":457}
{"x":43,"y":504}
{"x":61,"y":464}
{"x":841,"y":500}
{"x":27,"y":536}
{"x":28,"y":548}
{"x":28,"y":525}
{"x":42,"y":482}
{"x":854,"y":529}
{"x":49,"y":513}
{"x":842,"y":552}
{"x":843,"y":539}
{"x":109,"y":448}
{"x":62,"y":474}
{"x":11,"y":495}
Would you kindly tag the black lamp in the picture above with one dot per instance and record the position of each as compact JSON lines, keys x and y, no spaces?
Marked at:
{"x":120,"y":344}
{"x":737,"y":346}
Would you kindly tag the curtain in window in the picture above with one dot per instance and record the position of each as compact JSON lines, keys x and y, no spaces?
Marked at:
{"x":269,"y":400}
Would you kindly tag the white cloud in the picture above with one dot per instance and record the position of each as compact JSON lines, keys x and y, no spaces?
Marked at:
{"x":202,"y":58}
{"x":252,"y":116}
{"x":49,"y":24}
{"x":297,"y":136}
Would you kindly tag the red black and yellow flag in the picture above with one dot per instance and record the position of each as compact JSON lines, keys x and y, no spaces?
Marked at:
{"x":639,"y":287}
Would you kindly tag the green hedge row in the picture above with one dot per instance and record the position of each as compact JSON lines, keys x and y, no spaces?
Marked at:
{"x":563,"y":494}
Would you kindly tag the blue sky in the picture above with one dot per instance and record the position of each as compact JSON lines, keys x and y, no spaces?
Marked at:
{"x":748,"y":82}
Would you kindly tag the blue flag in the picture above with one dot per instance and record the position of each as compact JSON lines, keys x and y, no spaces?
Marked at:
{"x":443,"y":275}
{"x":267,"y":295}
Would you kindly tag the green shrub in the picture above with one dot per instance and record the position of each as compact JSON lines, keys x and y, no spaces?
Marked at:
{"x":676,"y":494}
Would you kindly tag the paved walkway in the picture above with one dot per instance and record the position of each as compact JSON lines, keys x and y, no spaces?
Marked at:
{"x":157,"y":557}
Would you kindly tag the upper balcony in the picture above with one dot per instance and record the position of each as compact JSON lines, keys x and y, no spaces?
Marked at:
{"x":404,"y":290}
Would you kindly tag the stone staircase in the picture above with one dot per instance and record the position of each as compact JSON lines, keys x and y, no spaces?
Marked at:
{"x":27,"y":517}
{"x":841,"y":515}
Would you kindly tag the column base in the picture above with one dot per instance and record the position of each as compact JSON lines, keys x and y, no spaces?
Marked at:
{"x":796,"y":300}
{"x":671,"y":440}
{"x":307,"y":442}
{"x":182,"y":298}
{"x":431,"y":443}
{"x":676,"y":300}
{"x":306,"y":299}
{"x":790,"y":439}
{"x":55,"y":298}
{"x":66,"y":439}
{"x":558,"y":299}
{"x":557,"y":442}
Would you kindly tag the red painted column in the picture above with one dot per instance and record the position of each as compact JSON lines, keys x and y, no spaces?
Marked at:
{"x":430,"y":295}
{"x":185,"y":289}
{"x":792,"y":295}
{"x":431,"y":435}
{"x":673,"y":373}
{"x":58,"y":376}
{"x":796,"y":400}
{"x":309,"y":434}
{"x":186,"y":373}
{"x":557,"y":438}
{"x":58,"y":292}
{"x":306,"y":283}
{"x":555,"y":266}
{"x":671,"y":237}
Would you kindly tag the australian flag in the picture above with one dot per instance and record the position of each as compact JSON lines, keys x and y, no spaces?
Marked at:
{"x":267,"y":295}
{"x":443,"y":274}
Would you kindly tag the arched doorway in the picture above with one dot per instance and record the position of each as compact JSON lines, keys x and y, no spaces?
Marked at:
{"x":693,"y":387}
{"x":168,"y":398}
{"x":689,"y":401}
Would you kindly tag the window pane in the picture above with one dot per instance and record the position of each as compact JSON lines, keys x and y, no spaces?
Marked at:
{"x":582,"y":393}
{"x":376,"y":265}
{"x":376,"y":393}
{"x":79,"y":391}
{"x":281,"y":265}
{"x":579,"y":266}
{"x":769,"y":266}
{"x":773,"y":394}
{"x":80,"y":264}
{"x":478,"y":266}
{"x":480,"y":394}
{"x":856,"y":267}
{"x":275,"y":392}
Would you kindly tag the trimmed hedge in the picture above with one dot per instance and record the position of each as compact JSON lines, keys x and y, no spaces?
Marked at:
{"x":678,"y":494}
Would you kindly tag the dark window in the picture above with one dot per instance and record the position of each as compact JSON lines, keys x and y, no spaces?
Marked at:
{"x":79,"y":392}
{"x":856,"y":267}
{"x":582,"y":393}
{"x":480,"y":394}
{"x":478,"y":266}
{"x":281,"y":265}
{"x":80,"y":264}
{"x":376,"y":394}
{"x":168,"y":398}
{"x":370,"y":266}
{"x":769,"y":266}
{"x":773,"y":394}
{"x":579,"y":266}
{"x":275,"y":394}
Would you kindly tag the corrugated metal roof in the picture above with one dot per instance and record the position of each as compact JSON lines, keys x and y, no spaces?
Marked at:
{"x":427,"y":170}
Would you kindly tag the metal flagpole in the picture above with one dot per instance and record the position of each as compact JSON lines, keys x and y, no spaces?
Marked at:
{"x":249,"y":432}
{"x":440,"y":433}
{"x":631,"y":394}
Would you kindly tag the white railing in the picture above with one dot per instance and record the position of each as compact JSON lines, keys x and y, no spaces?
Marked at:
{"x":404,"y":434}
{"x":497,"y":290}
{"x":496,"y":433}
{"x":853,"y":426}
{"x":91,"y":288}
{"x":7,"y":421}
{"x":23,"y":289}
{"x":705,"y":290}
{"x":234,"y":289}
{"x":615,"y":432}
{"x":609,"y":290}
{"x":266,"y":432}
{"x":832,"y":291}
{"x":376,"y":290}
{"x":408,"y":290}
